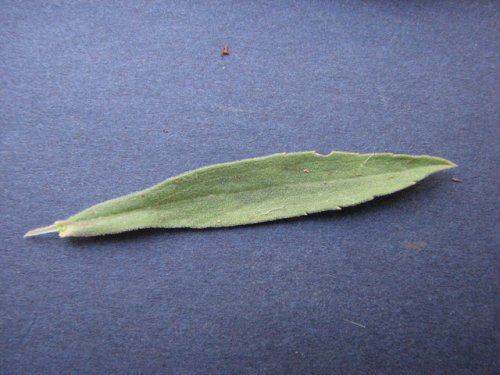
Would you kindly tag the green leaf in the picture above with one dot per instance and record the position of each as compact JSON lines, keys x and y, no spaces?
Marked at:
{"x":253,"y":191}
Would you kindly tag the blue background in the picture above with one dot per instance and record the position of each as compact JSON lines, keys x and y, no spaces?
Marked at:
{"x":102,"y":98}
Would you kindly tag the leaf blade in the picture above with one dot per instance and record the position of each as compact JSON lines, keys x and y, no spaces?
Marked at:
{"x":255,"y":190}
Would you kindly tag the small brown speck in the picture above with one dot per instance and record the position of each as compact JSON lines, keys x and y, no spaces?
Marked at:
{"x":165,"y":131}
{"x":456,"y":179}
{"x":224,"y":51}
{"x":415,"y":245}
{"x":306,"y":170}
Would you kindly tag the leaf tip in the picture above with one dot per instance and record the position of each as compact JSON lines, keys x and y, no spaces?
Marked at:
{"x":448,"y":163}
{"x":442,"y":162}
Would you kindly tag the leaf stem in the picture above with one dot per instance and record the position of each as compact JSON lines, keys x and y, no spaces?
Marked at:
{"x":38,"y":231}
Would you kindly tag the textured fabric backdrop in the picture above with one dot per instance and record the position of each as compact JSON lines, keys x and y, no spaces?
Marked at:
{"x":103,"y":98}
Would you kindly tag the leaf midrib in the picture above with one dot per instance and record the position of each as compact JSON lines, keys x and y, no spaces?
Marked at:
{"x":295,"y":184}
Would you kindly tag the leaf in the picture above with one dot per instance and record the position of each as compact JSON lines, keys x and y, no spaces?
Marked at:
{"x":253,"y":191}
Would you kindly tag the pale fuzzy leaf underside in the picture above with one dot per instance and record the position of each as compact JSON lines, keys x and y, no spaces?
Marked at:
{"x":253,"y":191}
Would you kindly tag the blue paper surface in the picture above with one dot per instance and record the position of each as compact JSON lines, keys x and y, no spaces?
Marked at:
{"x":100,"y":99}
